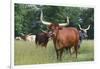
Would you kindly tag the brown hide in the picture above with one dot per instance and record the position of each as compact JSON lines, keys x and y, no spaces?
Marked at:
{"x":64,"y":38}
{"x":42,"y":39}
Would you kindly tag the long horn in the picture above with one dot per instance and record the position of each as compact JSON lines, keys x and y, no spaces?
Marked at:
{"x":88,"y":28}
{"x":80,"y":27}
{"x":65,"y":24}
{"x":44,"y":22}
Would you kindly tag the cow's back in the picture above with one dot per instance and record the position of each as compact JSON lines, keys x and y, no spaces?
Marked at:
{"x":68,"y":36}
{"x":41,"y":38}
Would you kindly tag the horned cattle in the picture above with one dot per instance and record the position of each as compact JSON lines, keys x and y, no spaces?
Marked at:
{"x":63,"y":38}
{"x":83,"y":34}
{"x":42,"y":39}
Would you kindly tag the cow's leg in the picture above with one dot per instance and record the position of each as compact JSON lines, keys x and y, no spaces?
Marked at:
{"x":57,"y":53}
{"x":70,"y":51}
{"x":61,"y":52}
{"x":56,"y":45}
{"x":66,"y":50}
{"x":79,"y":44}
{"x":36,"y":41}
{"x":79,"y":47}
{"x":75,"y":48}
{"x":45,"y":45}
{"x":36,"y":44}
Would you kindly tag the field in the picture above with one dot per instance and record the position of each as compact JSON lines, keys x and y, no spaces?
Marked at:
{"x":28,"y":53}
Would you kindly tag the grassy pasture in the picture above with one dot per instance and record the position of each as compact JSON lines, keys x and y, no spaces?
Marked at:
{"x":28,"y":53}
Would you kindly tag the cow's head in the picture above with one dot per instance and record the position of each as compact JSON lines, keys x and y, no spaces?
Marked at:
{"x":46,"y":33}
{"x":52,"y":26}
{"x":83,"y":32}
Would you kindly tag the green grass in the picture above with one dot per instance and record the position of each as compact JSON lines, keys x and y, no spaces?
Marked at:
{"x":27,"y":53}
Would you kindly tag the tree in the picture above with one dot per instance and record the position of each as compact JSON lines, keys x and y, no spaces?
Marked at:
{"x":27,"y":17}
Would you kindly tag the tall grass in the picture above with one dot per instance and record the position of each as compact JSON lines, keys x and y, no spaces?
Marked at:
{"x":28,"y":53}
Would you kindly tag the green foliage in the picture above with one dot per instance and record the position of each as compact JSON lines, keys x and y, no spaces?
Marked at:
{"x":27,"y":17}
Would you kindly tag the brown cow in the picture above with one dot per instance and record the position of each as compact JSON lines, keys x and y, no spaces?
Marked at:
{"x":42,"y":39}
{"x":63,"y":38}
